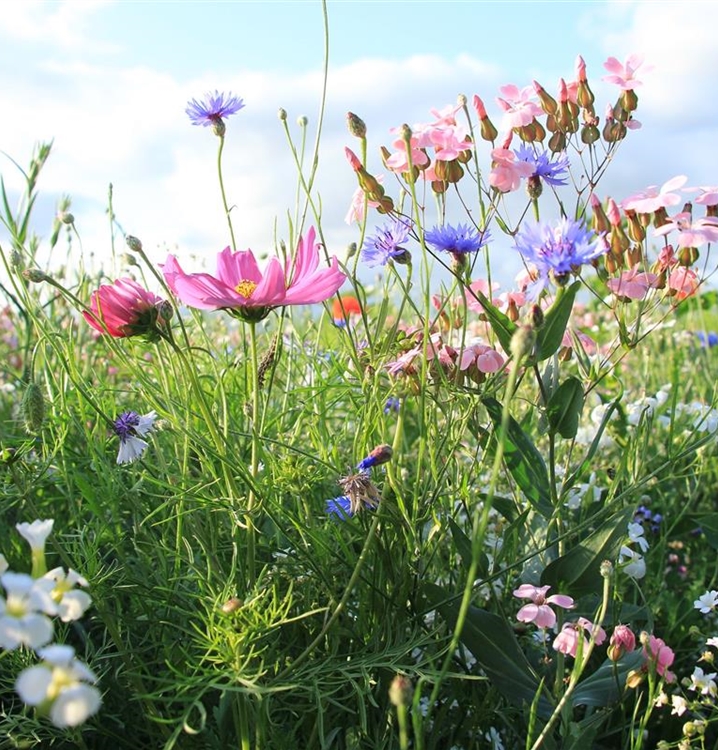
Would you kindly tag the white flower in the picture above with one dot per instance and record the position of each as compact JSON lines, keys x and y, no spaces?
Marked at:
{"x":71,"y":603}
{"x":61,"y":684}
{"x":23,"y":619}
{"x":712,"y":642}
{"x":632,"y":563}
{"x":705,"y":683}
{"x":131,"y":427}
{"x":494,"y":738}
{"x":680,"y":706}
{"x":707,"y":603}
{"x":36,"y":533}
{"x":3,"y":564}
{"x":635,"y":534}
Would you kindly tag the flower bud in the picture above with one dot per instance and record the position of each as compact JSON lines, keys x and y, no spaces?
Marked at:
{"x":589,"y":134}
{"x":448,"y":171}
{"x":66,"y":217}
{"x":522,"y":342}
{"x":599,"y":222}
{"x":218,"y":127}
{"x":35,"y":275}
{"x":282,"y":114}
{"x":534,"y":187}
{"x":302,"y":121}
{"x":231,"y":605}
{"x":629,"y":100}
{"x":33,"y":408}
{"x":357,"y":126}
{"x":557,"y":142}
{"x":401,"y":691}
{"x":133,"y":243}
{"x":548,"y":104}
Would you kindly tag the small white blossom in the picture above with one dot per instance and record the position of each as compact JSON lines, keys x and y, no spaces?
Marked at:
{"x":71,"y":602}
{"x":635,"y":534}
{"x":494,"y":738}
{"x":712,"y":642}
{"x":23,"y":612}
{"x":36,"y":533}
{"x":632,"y":563}
{"x":62,"y":685}
{"x":680,"y":706}
{"x":707,"y":602}
{"x":703,"y":683}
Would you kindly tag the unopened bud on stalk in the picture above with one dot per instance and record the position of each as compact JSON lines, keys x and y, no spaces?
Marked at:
{"x":522,"y":342}
{"x":488,"y":131}
{"x":557,"y":142}
{"x":302,"y":121}
{"x":536,"y":317}
{"x":589,"y":134}
{"x":33,"y":408}
{"x":351,"y":250}
{"x":165,"y":310}
{"x":357,"y":126}
{"x":133,"y":243}
{"x":629,"y":100}
{"x":35,"y":275}
{"x":600,"y":220}
{"x":16,"y":259}
{"x":401,"y":691}
{"x":218,"y":127}
{"x":534,"y":188}
{"x":282,"y":114}
{"x":66,"y":217}
{"x":548,"y":104}
{"x":128,"y":259}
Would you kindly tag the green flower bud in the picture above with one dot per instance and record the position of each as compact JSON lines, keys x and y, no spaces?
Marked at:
{"x":33,"y":408}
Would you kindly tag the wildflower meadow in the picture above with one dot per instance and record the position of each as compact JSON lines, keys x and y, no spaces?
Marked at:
{"x":310,"y":497}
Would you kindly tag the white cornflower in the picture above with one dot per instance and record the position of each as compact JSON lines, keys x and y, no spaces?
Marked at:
{"x":60,"y":685}
{"x":131,"y":427}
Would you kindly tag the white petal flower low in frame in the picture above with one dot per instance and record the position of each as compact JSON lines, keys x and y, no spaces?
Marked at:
{"x":131,"y":427}
{"x":71,"y":603}
{"x":62,"y":686}
{"x":24,"y":610}
{"x":707,"y":602}
{"x":36,"y":533}
{"x":632,"y":563}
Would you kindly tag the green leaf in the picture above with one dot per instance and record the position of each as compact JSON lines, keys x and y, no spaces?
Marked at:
{"x":564,"y":408}
{"x":549,"y":336}
{"x":578,"y":571}
{"x":495,"y":648}
{"x":500,"y":324}
{"x":709,"y":526}
{"x":605,"y":685}
{"x":523,"y":460}
{"x":463,"y":547}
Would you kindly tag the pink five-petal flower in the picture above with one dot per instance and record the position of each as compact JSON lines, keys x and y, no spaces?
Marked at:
{"x":622,"y":641}
{"x":653,"y":197}
{"x":241,"y":286}
{"x":623,"y":75}
{"x":518,"y":105}
{"x":539,"y":611}
{"x":691,"y":233}
{"x":683,"y":282}
{"x":360,"y":202}
{"x":123,"y":309}
{"x":568,"y":639}
{"x":507,"y":170}
{"x":633,"y":284}
{"x":708,"y":195}
{"x":483,"y":357}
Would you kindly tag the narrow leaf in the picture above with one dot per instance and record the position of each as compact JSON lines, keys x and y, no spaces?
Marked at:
{"x":564,"y":408}
{"x":500,"y":324}
{"x":549,"y":336}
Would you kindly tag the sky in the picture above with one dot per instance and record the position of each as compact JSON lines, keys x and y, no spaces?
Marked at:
{"x":108,"y":82}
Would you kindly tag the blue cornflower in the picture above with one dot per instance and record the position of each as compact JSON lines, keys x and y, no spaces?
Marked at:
{"x":392,"y":404}
{"x":551,"y":168}
{"x":130,"y":427}
{"x":386,"y":245}
{"x":457,"y":240}
{"x":213,"y":109}
{"x":379,"y":455}
{"x":339,"y":507}
{"x":557,"y":250}
{"x":708,"y":339}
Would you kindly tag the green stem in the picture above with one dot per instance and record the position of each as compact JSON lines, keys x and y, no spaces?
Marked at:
{"x":254,"y":461}
{"x":224,"y":195}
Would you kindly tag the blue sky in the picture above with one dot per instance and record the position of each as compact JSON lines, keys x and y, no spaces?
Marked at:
{"x":109,"y":82}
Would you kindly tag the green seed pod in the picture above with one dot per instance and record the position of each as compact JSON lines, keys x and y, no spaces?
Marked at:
{"x":33,"y":408}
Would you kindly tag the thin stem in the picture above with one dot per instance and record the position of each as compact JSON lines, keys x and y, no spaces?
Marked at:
{"x":224,"y":195}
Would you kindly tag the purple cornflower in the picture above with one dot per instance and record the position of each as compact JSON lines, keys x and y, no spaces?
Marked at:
{"x":457,"y":240}
{"x":130,"y":427}
{"x":708,"y":339}
{"x":213,"y":109}
{"x":557,"y":250}
{"x":385,"y":245}
{"x":379,"y":455}
{"x":552,"y":171}
{"x":392,"y":404}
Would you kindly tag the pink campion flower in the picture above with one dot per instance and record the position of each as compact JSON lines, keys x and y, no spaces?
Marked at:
{"x":450,"y":142}
{"x":659,"y":655}
{"x":683,"y":282}
{"x":359,"y":202}
{"x":588,"y":344}
{"x":446,"y":116}
{"x":508,"y":170}
{"x":124,"y":309}
{"x":242,"y":289}
{"x":485,"y":359}
{"x":708,"y":195}
{"x":652,"y":198}
{"x":666,"y":258}
{"x":480,"y":285}
{"x":518,"y":105}
{"x":399,"y":160}
{"x":581,"y":70}
{"x":568,"y":639}
{"x":633,"y":284}
{"x":623,"y":641}
{"x":623,"y":74}
{"x":539,"y":611}
{"x":690,"y":233}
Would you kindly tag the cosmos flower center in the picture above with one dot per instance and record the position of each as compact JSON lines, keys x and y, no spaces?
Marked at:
{"x":245,"y":288}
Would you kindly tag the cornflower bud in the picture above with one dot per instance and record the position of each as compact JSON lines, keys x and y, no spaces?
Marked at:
{"x":534,"y":187}
{"x":282,"y":114}
{"x":35,"y":275}
{"x":133,"y":243}
{"x":66,"y":217}
{"x":536,"y":317}
{"x":357,"y":126}
{"x":522,"y":342}
{"x":401,"y":691}
{"x":218,"y":127}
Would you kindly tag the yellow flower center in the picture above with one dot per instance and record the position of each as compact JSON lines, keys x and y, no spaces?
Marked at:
{"x":245,"y":288}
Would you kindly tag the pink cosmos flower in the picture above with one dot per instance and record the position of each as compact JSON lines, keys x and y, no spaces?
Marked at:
{"x":656,"y":652}
{"x":633,"y":284}
{"x":623,"y":75}
{"x":508,"y":170}
{"x":690,"y":233}
{"x":539,"y":611}
{"x":123,"y":309}
{"x":518,"y":105}
{"x":242,"y":288}
{"x":623,"y":641}
{"x":653,"y":197}
{"x":683,"y":282}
